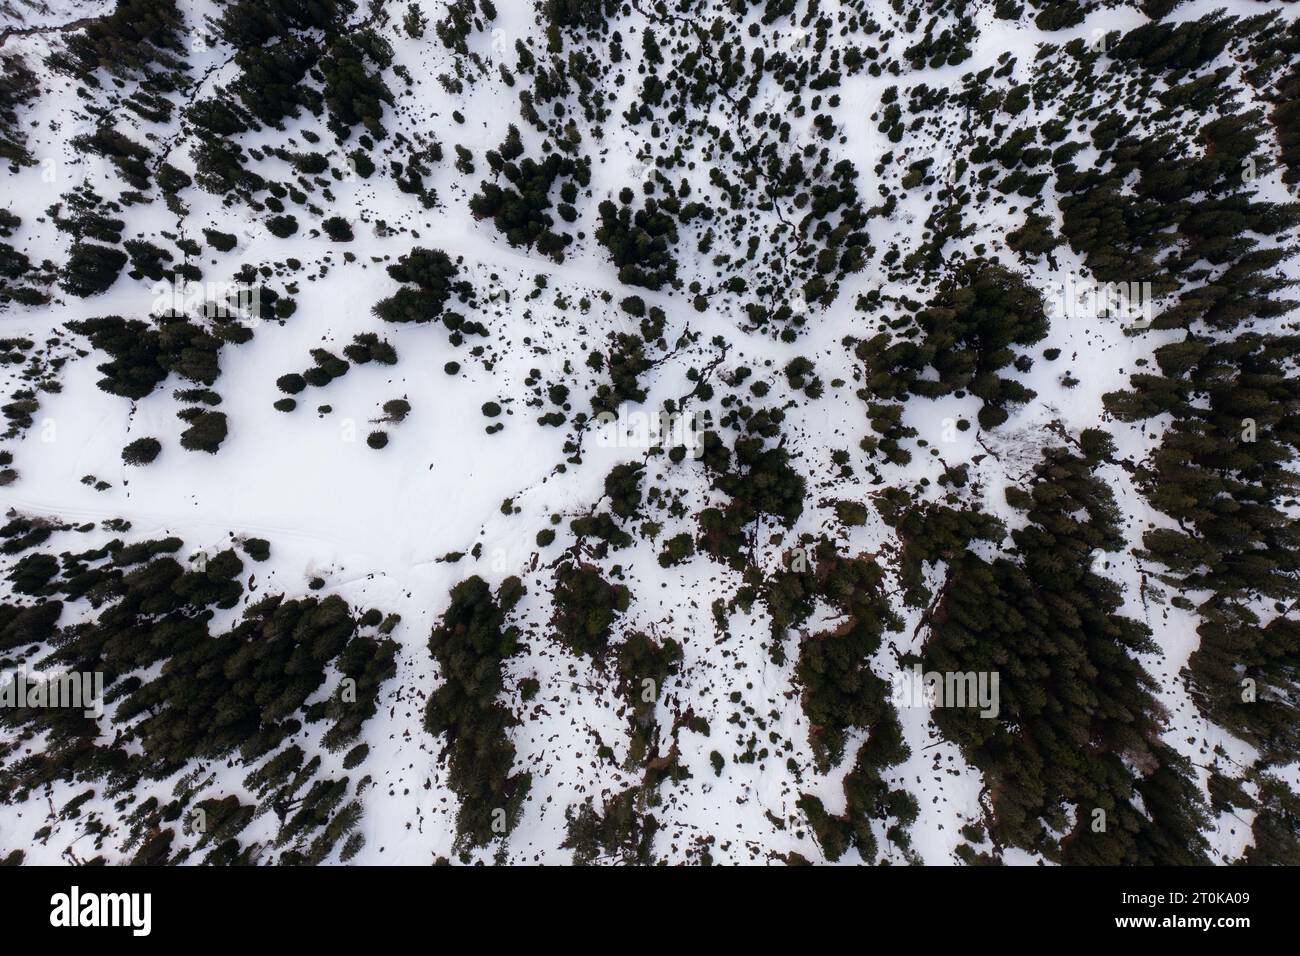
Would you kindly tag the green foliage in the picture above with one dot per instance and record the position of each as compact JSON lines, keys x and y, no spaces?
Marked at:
{"x":18,"y":86}
{"x":626,"y":362}
{"x":1276,"y":829}
{"x":183,"y":694}
{"x":620,"y":832}
{"x":221,"y":241}
{"x":91,"y":269}
{"x":126,"y":41}
{"x":603,"y":526}
{"x":1220,"y":469}
{"x":643,"y":667}
{"x":677,"y":549}
{"x":1235,"y":646}
{"x":759,"y":481}
{"x":430,"y":278}
{"x":965,"y":337}
{"x":839,"y":689}
{"x":259,"y":549}
{"x":141,"y":451}
{"x":353,"y":92}
{"x":1078,"y":725}
{"x":367,"y":347}
{"x":33,"y":572}
{"x":470,"y":645}
{"x":282,"y":227}
{"x":623,"y":489}
{"x":143,"y":356}
{"x":520,"y":210}
{"x":640,"y":243}
{"x":206,"y":432}
{"x":589,"y":14}
{"x":585,"y":607}
{"x":337,"y":228}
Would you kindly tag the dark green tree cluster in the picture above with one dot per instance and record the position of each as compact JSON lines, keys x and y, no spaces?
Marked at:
{"x":605,"y":528}
{"x":206,"y":429}
{"x":585,"y":607}
{"x":280,"y":46}
{"x":1221,"y":468}
{"x":759,"y":482}
{"x":944,"y":44}
{"x":626,"y":361}
{"x":24,"y":626}
{"x":224,"y":819}
{"x":241,"y":690}
{"x":840,"y":691}
{"x":268,"y":85}
{"x":620,"y":831}
{"x":1223,"y":473}
{"x":931,"y":534}
{"x":1245,"y":675}
{"x":677,"y":549}
{"x":142,"y":356}
{"x":1279,"y":45}
{"x":1224,"y":468}
{"x":18,"y":86}
{"x":149,"y":261}
{"x":643,"y":666}
{"x":458,"y":22}
{"x":91,"y":268}
{"x":1073,"y":760}
{"x":1061,"y":14}
{"x":127,"y":156}
{"x":623,"y":489}
{"x":591,"y":14}
{"x":965,"y":335}
{"x":1161,"y":46}
{"x":85,"y":215}
{"x":368,"y":347}
{"x":1276,"y":829}
{"x":16,"y":268}
{"x":868,"y":798}
{"x":326,"y":369}
{"x":320,"y":808}
{"x":470,"y":645}
{"x":430,"y":280}
{"x":252,"y":23}
{"x":781,"y":267}
{"x":177,"y":693}
{"x":220,"y":167}
{"x":1181,"y":213}
{"x":355,"y":91}
{"x":337,"y":228}
{"x":640,"y":242}
{"x":520,"y":210}
{"x":126,"y":42}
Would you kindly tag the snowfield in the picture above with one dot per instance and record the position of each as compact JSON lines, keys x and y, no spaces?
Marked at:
{"x":397,"y":528}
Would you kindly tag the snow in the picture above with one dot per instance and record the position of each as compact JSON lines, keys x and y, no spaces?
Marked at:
{"x":375,"y":524}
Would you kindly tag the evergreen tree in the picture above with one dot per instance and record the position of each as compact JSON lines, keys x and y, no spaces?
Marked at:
{"x":1077,"y":727}
{"x":470,"y":644}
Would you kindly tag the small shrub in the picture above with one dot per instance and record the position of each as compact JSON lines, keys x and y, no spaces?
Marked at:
{"x":141,"y":451}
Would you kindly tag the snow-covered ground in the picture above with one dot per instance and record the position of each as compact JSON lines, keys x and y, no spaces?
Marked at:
{"x":375,"y":525}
